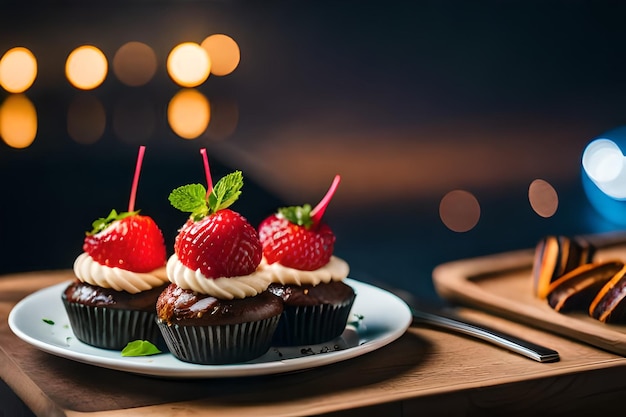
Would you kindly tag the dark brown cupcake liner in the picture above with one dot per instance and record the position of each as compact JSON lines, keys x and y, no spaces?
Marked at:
{"x":111,"y":328}
{"x":218,"y":345}
{"x":310,"y":325}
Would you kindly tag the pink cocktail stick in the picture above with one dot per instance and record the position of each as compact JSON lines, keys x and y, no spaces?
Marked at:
{"x":318,"y":212}
{"x":133,"y":191}
{"x":207,"y":171}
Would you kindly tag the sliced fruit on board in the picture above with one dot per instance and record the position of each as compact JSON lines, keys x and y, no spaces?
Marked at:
{"x":575,"y":290}
{"x":556,"y":256}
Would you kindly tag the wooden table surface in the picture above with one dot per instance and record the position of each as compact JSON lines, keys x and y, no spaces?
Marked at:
{"x":426,"y":371}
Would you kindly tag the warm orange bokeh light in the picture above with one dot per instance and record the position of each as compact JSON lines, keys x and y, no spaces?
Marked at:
{"x":223,"y":52}
{"x":189,"y":113}
{"x":543,"y":198}
{"x":188,"y":64}
{"x":459,"y":210}
{"x":18,"y":70}
{"x":86,"y":67}
{"x":134,"y":64}
{"x":18,"y":121}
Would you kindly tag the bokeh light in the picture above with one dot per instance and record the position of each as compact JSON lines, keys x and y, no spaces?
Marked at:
{"x":86,"y":119}
{"x":18,"y":70}
{"x":223,"y":52}
{"x":604,"y":163}
{"x":86,"y":67}
{"x":459,"y":210}
{"x":188,"y":64}
{"x":189,"y":113}
{"x":18,"y":121}
{"x":135,"y":63}
{"x":543,"y":198}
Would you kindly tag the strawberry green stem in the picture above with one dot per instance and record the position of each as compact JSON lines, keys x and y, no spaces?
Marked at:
{"x":318,"y":212}
{"x":207,"y":171}
{"x":133,"y":191}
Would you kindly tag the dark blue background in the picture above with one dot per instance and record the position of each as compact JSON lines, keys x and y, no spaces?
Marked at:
{"x":539,"y":65}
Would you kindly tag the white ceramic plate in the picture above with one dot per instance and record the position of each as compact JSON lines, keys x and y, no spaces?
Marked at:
{"x":378,"y":318}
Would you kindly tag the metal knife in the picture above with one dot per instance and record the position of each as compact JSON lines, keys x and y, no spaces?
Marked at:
{"x":512,"y":343}
{"x":442,"y":318}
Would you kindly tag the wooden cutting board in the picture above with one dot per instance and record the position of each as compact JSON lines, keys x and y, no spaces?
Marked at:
{"x":501,"y":284}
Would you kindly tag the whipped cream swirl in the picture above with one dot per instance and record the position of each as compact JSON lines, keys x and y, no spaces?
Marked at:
{"x":91,"y":272}
{"x":335,"y":270}
{"x":225,"y":288}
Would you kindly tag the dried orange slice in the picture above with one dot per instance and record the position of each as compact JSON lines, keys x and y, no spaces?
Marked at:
{"x":575,"y":290}
{"x":609,"y":305}
{"x":556,"y":256}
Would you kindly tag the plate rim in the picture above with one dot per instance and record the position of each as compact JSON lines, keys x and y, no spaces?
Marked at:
{"x":187,"y":370}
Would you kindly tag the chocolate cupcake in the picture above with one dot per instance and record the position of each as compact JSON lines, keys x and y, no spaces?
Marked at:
{"x":313,"y":313}
{"x":298,"y":254}
{"x":110,"y":319}
{"x":120,"y":275}
{"x":202,"y":329}
{"x":217,"y":309}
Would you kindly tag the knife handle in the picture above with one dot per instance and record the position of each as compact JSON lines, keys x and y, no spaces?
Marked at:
{"x":515,"y":344}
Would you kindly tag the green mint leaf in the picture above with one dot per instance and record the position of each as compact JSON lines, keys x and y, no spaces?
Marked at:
{"x":103,"y":222}
{"x":140,"y":348}
{"x":190,"y":198}
{"x":356,"y":322}
{"x":300,"y":215}
{"x":226,"y":191}
{"x":48,"y":321}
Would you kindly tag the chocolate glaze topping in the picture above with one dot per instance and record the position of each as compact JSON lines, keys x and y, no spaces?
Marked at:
{"x":91,"y":295}
{"x":335,"y":292}
{"x":189,"y":308}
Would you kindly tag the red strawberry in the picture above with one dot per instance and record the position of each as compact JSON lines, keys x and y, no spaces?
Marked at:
{"x":127,"y":241}
{"x":222,"y":244}
{"x":296,"y":246}
{"x":215,"y":239}
{"x":297,"y":238}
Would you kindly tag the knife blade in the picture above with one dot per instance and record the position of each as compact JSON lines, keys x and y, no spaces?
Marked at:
{"x":443,"y":317}
{"x":504,"y":340}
